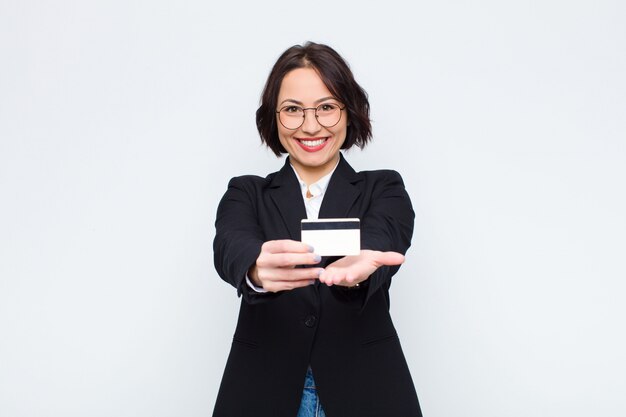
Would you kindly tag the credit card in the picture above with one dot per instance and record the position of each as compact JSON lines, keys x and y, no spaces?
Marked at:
{"x":333,"y":237}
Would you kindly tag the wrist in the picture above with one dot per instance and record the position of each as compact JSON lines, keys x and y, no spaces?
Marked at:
{"x":254,"y":277}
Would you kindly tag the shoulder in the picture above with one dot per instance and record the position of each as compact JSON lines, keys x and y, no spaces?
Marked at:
{"x":380,"y":175}
{"x":249,"y":181}
{"x":345,"y":170}
{"x":381,"y":179}
{"x":370,"y":180}
{"x":256,"y":182}
{"x":381,"y":184}
{"x":250,"y":184}
{"x":253,"y":180}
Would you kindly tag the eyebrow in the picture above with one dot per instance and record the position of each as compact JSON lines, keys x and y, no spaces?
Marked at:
{"x":291,"y":100}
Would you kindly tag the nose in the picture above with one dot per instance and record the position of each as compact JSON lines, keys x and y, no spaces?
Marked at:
{"x":310,"y":125}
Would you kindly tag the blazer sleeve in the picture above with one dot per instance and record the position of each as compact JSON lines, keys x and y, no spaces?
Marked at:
{"x":238,"y":237}
{"x":387,"y":226}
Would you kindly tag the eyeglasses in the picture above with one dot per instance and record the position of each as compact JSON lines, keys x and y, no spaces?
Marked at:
{"x":327,"y":115}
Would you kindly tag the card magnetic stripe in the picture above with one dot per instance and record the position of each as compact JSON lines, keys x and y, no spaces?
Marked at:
{"x":330,"y":225}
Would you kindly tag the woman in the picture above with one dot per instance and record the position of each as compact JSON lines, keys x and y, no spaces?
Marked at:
{"x":314,"y":336}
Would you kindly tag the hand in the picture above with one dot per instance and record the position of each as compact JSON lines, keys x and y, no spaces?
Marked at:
{"x":351,"y":270}
{"x":275,"y":270}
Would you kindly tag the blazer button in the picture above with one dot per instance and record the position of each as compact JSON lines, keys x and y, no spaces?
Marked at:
{"x":310,"y":321}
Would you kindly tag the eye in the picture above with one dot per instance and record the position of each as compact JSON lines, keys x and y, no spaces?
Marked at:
{"x":327,"y":107}
{"x":292,"y":109}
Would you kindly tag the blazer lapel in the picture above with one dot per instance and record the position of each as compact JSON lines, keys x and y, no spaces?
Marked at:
{"x":287,"y":196}
{"x":341,"y":193}
{"x":340,"y":196}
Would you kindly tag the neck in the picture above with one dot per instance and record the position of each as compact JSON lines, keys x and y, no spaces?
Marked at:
{"x":310,"y":175}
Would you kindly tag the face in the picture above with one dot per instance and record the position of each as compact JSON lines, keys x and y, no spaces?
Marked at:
{"x":313,"y":149}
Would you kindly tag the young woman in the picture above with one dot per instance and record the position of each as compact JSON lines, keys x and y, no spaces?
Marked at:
{"x":314,"y":336}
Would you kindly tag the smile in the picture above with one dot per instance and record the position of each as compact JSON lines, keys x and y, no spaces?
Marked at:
{"x":313,"y":144}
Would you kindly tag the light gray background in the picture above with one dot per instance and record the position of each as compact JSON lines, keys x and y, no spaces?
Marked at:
{"x":122,"y":121}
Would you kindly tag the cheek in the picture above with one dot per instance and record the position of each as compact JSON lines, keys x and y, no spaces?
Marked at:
{"x":341,"y":135}
{"x":281,"y":134}
{"x":283,"y":139}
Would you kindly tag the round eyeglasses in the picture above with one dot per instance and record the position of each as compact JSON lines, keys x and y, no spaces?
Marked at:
{"x":327,"y":115}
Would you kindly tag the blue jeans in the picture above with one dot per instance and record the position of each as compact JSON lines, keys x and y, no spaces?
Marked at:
{"x":310,"y":405}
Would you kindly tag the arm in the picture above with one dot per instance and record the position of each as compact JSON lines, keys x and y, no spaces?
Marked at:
{"x":386,"y":231}
{"x":238,"y":237}
{"x":240,"y":249}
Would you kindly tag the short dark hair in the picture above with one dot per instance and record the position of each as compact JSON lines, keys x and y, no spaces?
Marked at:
{"x":336,"y":75}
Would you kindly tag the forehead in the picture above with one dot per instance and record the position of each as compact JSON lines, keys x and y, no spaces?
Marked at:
{"x":303,"y":84}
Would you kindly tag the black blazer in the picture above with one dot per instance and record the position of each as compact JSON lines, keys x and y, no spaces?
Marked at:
{"x":345,"y":335}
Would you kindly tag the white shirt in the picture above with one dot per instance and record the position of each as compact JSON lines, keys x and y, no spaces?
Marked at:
{"x":312,"y":204}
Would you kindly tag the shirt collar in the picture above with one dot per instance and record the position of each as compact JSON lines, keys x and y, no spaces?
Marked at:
{"x":317,"y":188}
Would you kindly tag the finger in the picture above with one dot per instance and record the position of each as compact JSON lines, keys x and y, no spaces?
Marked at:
{"x":323,"y":278}
{"x":350,"y":279}
{"x":390,"y":258}
{"x":286,"y":245}
{"x":275,"y":286}
{"x":287,"y":260}
{"x":295,"y":274}
{"x":331,"y":277}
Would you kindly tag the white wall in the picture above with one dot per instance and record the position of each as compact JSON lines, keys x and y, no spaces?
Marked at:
{"x":122,"y":121}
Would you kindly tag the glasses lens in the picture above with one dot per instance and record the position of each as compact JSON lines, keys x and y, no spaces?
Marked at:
{"x":291,"y":117}
{"x":328,"y":114}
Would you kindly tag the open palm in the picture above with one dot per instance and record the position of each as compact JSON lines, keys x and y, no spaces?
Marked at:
{"x":351,"y":270}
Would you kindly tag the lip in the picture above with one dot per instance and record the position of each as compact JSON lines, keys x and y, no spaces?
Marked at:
{"x":313,"y":148}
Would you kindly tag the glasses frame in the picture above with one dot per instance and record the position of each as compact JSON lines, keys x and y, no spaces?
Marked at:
{"x":304,"y":109}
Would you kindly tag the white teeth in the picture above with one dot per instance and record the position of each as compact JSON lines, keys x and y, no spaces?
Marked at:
{"x":312,"y":143}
